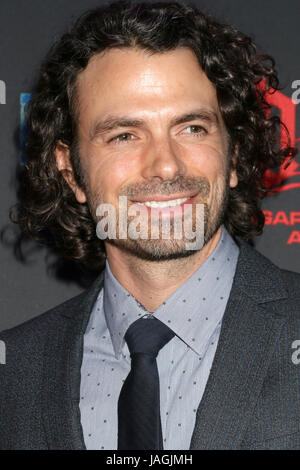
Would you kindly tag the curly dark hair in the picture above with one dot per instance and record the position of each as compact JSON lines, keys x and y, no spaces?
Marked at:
{"x":49,"y":211}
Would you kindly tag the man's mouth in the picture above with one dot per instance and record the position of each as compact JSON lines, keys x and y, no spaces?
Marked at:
{"x":163,"y":204}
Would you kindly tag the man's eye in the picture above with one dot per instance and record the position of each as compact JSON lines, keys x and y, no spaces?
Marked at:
{"x":197,"y":130}
{"x":121,"y":138}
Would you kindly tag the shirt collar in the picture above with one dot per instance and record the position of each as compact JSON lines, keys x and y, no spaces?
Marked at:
{"x":193,"y":311}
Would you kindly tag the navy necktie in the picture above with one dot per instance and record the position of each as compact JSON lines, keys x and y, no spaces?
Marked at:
{"x":139,"y":424}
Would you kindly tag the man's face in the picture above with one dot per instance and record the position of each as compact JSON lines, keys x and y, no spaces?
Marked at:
{"x":150,"y":129}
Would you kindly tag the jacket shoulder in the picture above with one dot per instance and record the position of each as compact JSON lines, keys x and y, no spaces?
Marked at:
{"x":292,"y":284}
{"x":38,"y":327}
{"x":292,"y":281}
{"x":259,"y":278}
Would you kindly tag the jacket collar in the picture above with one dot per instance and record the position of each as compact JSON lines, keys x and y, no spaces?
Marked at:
{"x":250,"y":327}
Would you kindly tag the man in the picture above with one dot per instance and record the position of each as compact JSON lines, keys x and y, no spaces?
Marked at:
{"x":171,"y":347}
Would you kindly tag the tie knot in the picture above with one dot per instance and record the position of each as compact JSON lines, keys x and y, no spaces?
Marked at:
{"x":148,"y":336}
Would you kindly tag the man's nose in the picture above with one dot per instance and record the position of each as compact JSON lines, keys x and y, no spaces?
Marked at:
{"x":163,"y":160}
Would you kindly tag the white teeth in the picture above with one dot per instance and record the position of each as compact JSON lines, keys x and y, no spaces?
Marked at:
{"x":171,"y":203}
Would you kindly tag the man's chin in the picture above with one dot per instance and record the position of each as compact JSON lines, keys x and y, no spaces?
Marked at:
{"x":154,"y":250}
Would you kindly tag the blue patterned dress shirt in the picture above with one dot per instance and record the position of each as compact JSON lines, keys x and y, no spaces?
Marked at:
{"x":194,"y":312}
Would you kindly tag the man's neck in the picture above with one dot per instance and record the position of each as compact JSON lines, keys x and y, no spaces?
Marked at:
{"x":151,"y":283}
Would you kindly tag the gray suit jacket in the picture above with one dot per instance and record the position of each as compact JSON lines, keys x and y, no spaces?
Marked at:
{"x":252,"y":398}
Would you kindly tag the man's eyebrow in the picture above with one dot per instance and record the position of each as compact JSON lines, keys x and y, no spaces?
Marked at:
{"x":112,"y":122}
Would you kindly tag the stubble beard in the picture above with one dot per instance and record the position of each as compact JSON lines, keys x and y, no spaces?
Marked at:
{"x":169,"y":249}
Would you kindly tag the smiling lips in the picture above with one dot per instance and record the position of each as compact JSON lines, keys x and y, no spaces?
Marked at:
{"x":164,"y":205}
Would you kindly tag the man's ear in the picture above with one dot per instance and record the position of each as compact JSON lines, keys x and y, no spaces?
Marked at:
{"x":233,"y":181}
{"x":64,"y":165}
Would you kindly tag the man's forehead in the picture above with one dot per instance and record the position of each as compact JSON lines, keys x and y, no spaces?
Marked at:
{"x":123,"y":79}
{"x":120,"y":66}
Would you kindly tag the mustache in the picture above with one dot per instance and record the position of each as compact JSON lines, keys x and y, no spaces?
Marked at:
{"x":180,"y":185}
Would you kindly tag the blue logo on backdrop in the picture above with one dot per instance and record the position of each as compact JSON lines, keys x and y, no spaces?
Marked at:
{"x":24,"y":99}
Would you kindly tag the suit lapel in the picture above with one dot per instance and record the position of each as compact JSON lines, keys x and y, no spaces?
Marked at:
{"x":61,"y":378}
{"x":250,"y":329}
